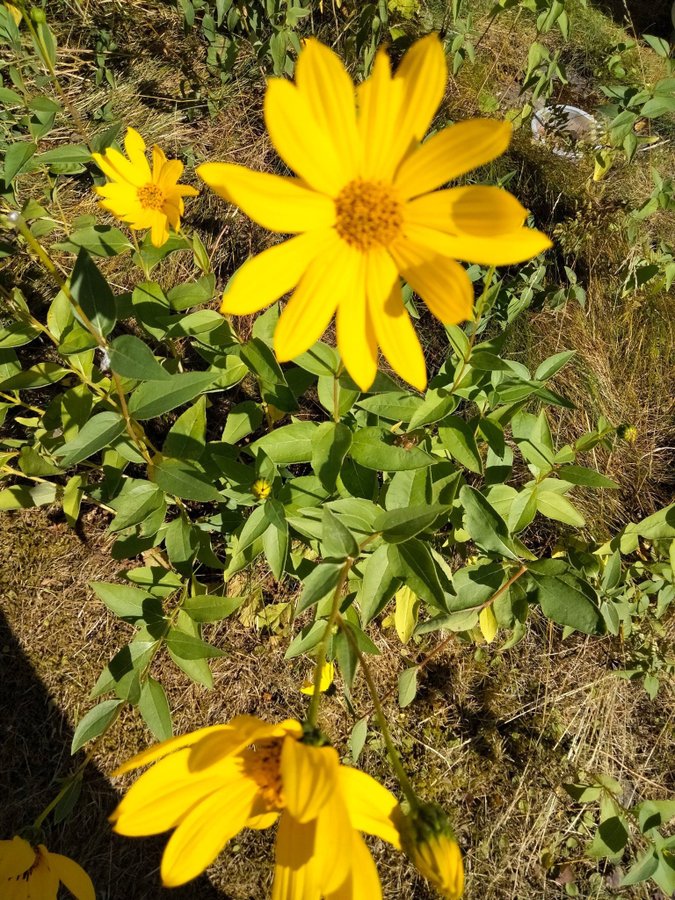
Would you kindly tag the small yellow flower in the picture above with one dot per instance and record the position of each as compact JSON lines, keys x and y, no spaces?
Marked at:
{"x":627,"y":433}
{"x":430,"y":845}
{"x":139,"y":196}
{"x":210,"y":784}
{"x":365,"y":209}
{"x":29,"y":873}
{"x":327,"y":677}
{"x":261,"y":489}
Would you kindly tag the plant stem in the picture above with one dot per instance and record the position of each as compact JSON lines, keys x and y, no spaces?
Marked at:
{"x":392,"y":752}
{"x":480,"y":304}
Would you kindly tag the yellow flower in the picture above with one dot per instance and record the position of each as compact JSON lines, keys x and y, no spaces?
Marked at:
{"x":210,"y":784}
{"x":29,"y":873}
{"x":327,"y":677}
{"x":261,"y":489}
{"x":139,"y":196}
{"x":364,"y":209}
{"x":430,"y":845}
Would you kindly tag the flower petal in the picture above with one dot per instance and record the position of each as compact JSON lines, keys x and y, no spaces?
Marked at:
{"x":159,"y":234}
{"x":322,"y":78}
{"x":158,"y":160}
{"x":16,"y":857}
{"x":43,"y":884}
{"x":500,"y":250}
{"x":330,"y":280}
{"x":164,"y":794}
{"x":275,"y":202}
{"x":379,"y":100}
{"x":440,"y":281}
{"x":294,"y":874}
{"x":364,"y":882}
{"x":355,"y":333}
{"x":302,"y":142}
{"x":170,"y":174}
{"x":72,"y":876}
{"x":309,"y":776}
{"x":118,"y":168}
{"x":372,"y":808}
{"x":393,"y":329}
{"x":424,"y":73}
{"x":205,"y":830}
{"x":134,"y":146}
{"x":333,"y":845}
{"x":474,"y":209}
{"x":452,"y":152}
{"x":157,"y":751}
{"x":264,"y":278}
{"x":241,"y":732}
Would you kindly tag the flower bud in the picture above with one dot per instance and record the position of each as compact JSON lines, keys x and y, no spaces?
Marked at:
{"x":627,"y":433}
{"x":38,"y":15}
{"x":429,"y":843}
{"x":261,"y":489}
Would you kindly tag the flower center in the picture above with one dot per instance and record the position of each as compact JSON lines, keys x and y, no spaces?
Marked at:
{"x":263,"y":764}
{"x":369,"y":213}
{"x":151,"y":196}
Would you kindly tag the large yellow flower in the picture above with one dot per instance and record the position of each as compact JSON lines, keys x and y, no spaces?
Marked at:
{"x":210,"y":784}
{"x":139,"y":196}
{"x":33,"y":873}
{"x":364,"y":209}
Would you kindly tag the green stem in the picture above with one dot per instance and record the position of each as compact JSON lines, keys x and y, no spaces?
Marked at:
{"x":478,"y":313}
{"x":392,"y":752}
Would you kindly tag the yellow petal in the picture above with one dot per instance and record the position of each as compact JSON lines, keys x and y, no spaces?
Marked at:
{"x":309,"y":775}
{"x":355,"y":333}
{"x":424,"y":73}
{"x":475,"y":209}
{"x":393,"y":329}
{"x":43,"y":883}
{"x":452,"y":152}
{"x":160,"y":230}
{"x":158,"y":160}
{"x":16,"y":857}
{"x":322,"y":78}
{"x":170,"y":174}
{"x":275,"y":202}
{"x":364,"y":882}
{"x":371,"y":807}
{"x":204,"y":832}
{"x":294,"y":874}
{"x":152,"y":754}
{"x":302,"y":143}
{"x":264,"y":278}
{"x":333,"y":845}
{"x":441,"y":282}
{"x":72,"y":876}
{"x":116,"y":166}
{"x":242,"y":731}
{"x":16,"y":890}
{"x":163,"y":795}
{"x":328,"y":282}
{"x":502,"y":250}
{"x":326,"y":679}
{"x":380,"y":98}
{"x":135,"y":150}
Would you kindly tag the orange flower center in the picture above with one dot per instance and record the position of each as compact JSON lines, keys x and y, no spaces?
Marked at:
{"x":263,"y":765}
{"x":151,"y":196}
{"x":369,"y":214}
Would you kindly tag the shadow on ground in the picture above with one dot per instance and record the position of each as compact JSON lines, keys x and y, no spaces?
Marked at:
{"x":35,"y":743}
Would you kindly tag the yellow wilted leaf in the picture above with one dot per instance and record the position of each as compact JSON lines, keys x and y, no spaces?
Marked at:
{"x":327,"y":676}
{"x":488,"y":624}
{"x":405,"y":617}
{"x":15,"y":13}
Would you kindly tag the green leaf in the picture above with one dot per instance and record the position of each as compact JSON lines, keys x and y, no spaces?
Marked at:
{"x":137,"y":500}
{"x":643,"y":869}
{"x":16,"y":160}
{"x":357,"y":738}
{"x":457,"y":437}
{"x":99,"y":432}
{"x":72,"y":499}
{"x":92,"y":292}
{"x":658,"y":106}
{"x":100,"y":240}
{"x":192,"y":293}
{"x":330,"y":445}
{"x":154,"y":707}
{"x":553,"y":364}
{"x":242,"y":420}
{"x":653,"y":813}
{"x":127,"y":602}
{"x":610,"y":839}
{"x":398,"y":525}
{"x":555,"y":506}
{"x":211,"y":608}
{"x":132,"y":358}
{"x":187,"y":436}
{"x":437,"y":404}
{"x":306,"y":640}
{"x":395,"y":406}
{"x":407,"y":686}
{"x":414,"y":564}
{"x":254,"y":527}
{"x":320,"y":359}
{"x":154,"y":398}
{"x":337,"y":541}
{"x":18,"y":496}
{"x":587,"y":477}
{"x":370,"y":450}
{"x":320,"y":583}
{"x":584,"y":793}
{"x":183,"y":479}
{"x":484,"y":526}
{"x":378,"y":586}
{"x":94,"y":723}
{"x":188,"y":646}
{"x":275,"y":540}
{"x":567,"y":604}
{"x":289,"y":444}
